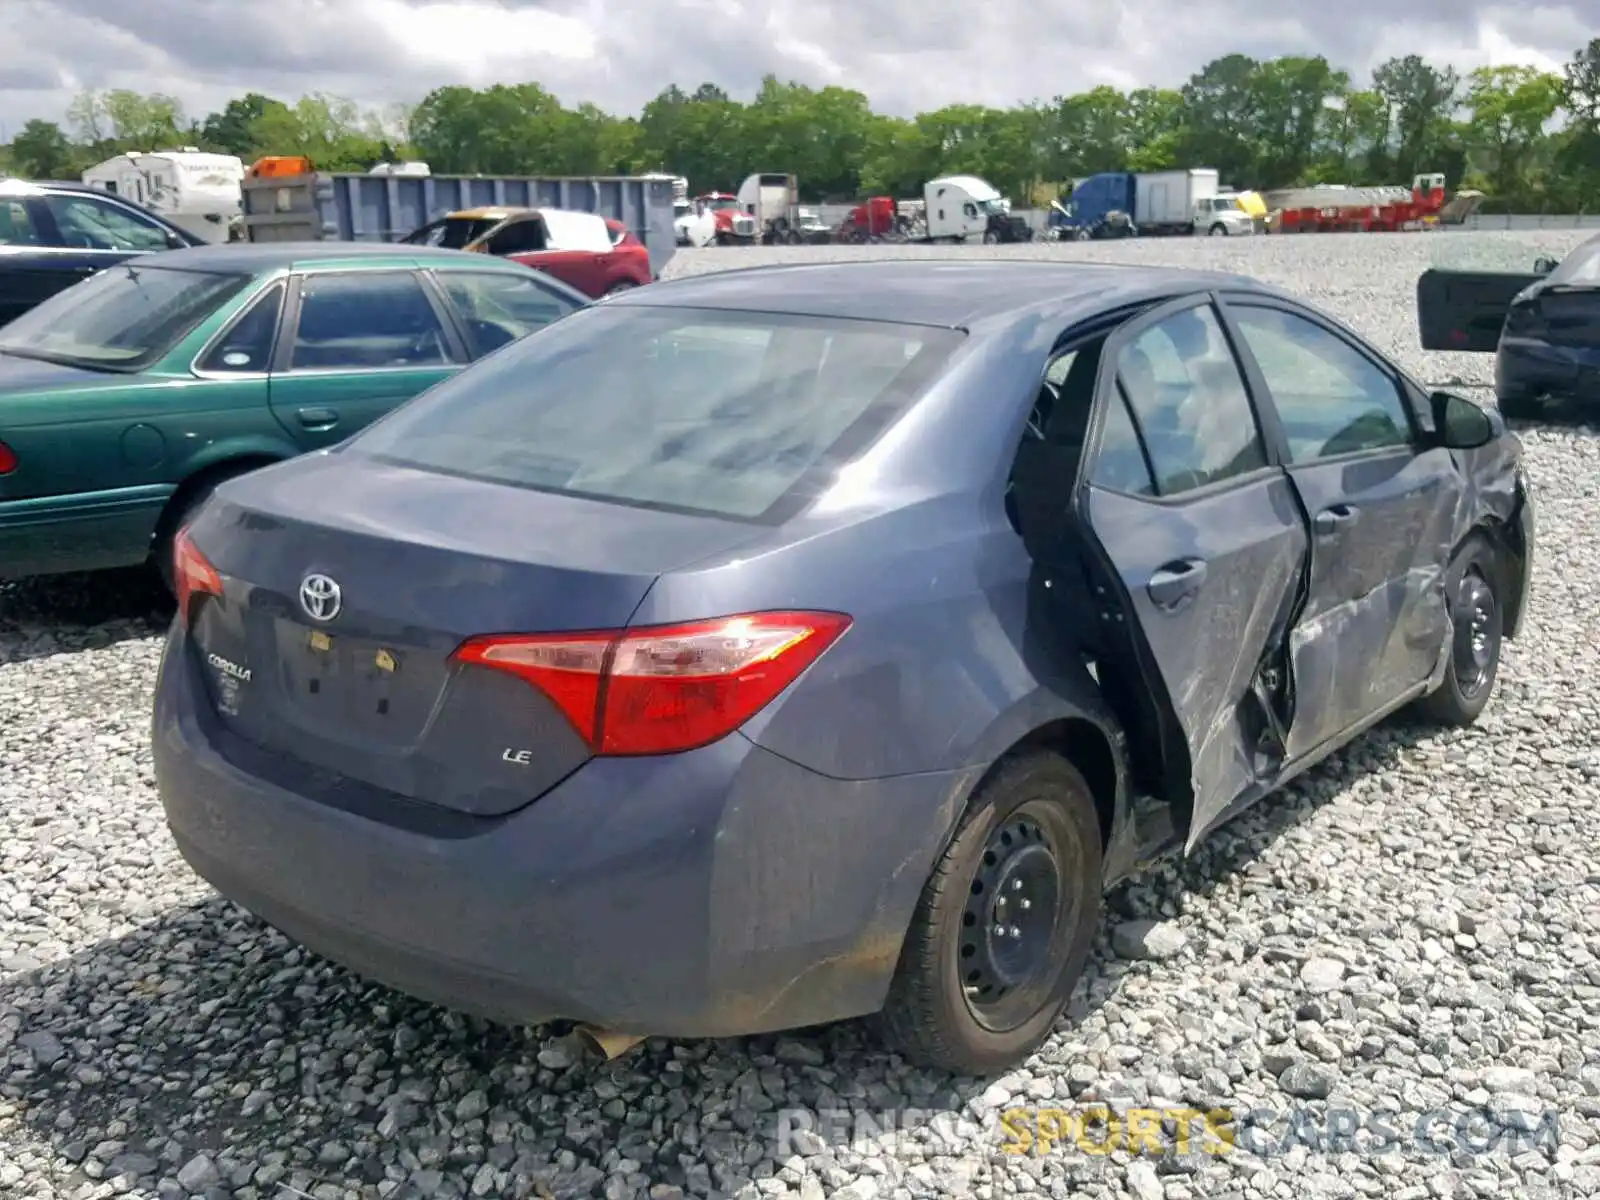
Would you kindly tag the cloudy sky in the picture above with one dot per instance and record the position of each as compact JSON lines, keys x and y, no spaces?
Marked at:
{"x":905,"y":54}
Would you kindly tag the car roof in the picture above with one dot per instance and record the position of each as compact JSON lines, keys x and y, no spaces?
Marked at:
{"x":947,"y":292}
{"x":254,"y":257}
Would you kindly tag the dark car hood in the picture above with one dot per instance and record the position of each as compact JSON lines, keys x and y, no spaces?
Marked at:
{"x":18,"y":375}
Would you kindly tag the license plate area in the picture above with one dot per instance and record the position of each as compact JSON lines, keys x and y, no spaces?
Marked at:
{"x":366,"y":687}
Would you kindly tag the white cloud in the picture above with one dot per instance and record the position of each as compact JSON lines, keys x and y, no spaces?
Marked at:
{"x":905,"y":54}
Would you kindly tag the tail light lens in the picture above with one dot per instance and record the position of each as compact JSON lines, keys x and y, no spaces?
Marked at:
{"x":667,"y":688}
{"x":1523,"y":317}
{"x":8,"y":459}
{"x":193,"y":576}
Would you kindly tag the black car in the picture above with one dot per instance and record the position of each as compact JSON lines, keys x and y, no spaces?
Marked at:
{"x":52,"y":235}
{"x":1542,"y":327}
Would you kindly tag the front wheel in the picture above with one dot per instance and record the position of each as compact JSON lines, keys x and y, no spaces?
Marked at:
{"x":621,"y":285}
{"x":1004,"y":925}
{"x":1219,"y":230}
{"x":990,"y":237}
{"x":1473,"y":589}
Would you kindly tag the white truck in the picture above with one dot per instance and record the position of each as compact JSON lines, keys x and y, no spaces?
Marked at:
{"x":774,"y":201}
{"x":201,"y":192}
{"x":958,"y":207}
{"x":1187,"y":202}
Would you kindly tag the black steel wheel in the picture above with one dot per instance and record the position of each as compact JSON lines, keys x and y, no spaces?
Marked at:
{"x":1004,"y":925}
{"x":1478,"y":622}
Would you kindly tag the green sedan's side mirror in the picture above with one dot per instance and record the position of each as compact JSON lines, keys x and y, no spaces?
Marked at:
{"x":1543,"y":266}
{"x":1461,"y":424}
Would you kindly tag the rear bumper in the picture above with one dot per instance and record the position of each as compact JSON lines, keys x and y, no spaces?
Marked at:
{"x":1530,"y":370}
{"x":716,"y":893}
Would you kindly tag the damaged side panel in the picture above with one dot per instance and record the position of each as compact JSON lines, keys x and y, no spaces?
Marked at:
{"x":1210,"y":646}
{"x":1376,"y":611}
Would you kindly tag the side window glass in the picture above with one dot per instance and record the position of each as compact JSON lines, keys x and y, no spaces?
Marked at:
{"x":499,"y":307}
{"x":1188,"y":401}
{"x":1120,"y":464}
{"x":247,"y":346}
{"x":520,"y":237}
{"x":90,"y":224}
{"x":16,"y":229}
{"x":1331,"y":398}
{"x":365,"y":320}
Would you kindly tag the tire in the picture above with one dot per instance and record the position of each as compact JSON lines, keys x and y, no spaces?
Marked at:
{"x":990,"y":238}
{"x":1474,"y":587}
{"x":1219,"y":230}
{"x":621,"y":285}
{"x":1031,"y":826}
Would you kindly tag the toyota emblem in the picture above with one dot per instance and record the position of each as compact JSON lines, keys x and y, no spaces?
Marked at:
{"x":320,"y":597}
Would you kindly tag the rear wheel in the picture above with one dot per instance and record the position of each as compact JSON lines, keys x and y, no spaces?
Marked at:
{"x":1004,"y":926}
{"x":1474,"y":590}
{"x":990,"y":237}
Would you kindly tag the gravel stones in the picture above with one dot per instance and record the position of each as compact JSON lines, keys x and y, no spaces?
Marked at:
{"x":1410,"y":934}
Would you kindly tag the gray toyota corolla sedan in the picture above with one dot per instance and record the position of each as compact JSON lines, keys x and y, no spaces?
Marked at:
{"x":793,"y":644}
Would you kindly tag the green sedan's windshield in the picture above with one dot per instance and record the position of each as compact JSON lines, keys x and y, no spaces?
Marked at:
{"x":125,"y":318}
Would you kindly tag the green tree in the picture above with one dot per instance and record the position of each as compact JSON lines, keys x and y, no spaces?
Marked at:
{"x":43,"y":151}
{"x":230,"y":131}
{"x":1508,"y":108}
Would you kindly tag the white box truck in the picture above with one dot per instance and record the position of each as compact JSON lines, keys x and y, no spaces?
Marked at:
{"x":1167,"y":202}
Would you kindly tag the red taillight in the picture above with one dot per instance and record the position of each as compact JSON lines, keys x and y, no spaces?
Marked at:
{"x":8,"y":459}
{"x":193,"y":575}
{"x":666,"y":688}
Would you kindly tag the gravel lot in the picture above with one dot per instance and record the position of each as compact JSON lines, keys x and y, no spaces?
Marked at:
{"x":1413,"y":930}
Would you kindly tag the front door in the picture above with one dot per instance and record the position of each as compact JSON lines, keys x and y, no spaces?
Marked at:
{"x":1381,"y":506}
{"x":1194,"y":527}
{"x":357,"y":344}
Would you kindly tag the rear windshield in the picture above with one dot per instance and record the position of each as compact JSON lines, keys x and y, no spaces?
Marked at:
{"x":695,"y":410}
{"x":1581,"y":266}
{"x":125,"y":318}
{"x":453,"y":233}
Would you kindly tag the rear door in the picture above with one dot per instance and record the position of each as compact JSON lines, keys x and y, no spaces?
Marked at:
{"x":1465,"y":310}
{"x":1382,"y":507}
{"x":1194,"y":526}
{"x":574,"y":247}
{"x":355,"y":344}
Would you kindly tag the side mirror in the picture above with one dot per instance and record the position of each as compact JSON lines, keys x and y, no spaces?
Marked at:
{"x":1461,"y":424}
{"x":174,"y":242}
{"x":1543,"y":266}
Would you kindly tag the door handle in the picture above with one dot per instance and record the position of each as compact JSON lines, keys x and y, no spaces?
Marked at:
{"x":317,"y":419}
{"x":1176,"y":581}
{"x":1335,"y":518}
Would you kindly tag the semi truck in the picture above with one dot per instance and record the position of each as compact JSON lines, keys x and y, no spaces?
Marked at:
{"x":957,"y":207}
{"x":1150,"y":203}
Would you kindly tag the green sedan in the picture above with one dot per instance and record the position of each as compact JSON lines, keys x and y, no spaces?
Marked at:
{"x":127,"y":398}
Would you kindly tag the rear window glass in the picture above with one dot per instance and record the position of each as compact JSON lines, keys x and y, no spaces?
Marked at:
{"x":691,"y":409}
{"x":1581,"y":266}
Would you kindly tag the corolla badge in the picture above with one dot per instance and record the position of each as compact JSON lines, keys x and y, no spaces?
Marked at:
{"x":320,"y":597}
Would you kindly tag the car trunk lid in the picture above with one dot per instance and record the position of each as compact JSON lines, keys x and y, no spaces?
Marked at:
{"x":348,"y":586}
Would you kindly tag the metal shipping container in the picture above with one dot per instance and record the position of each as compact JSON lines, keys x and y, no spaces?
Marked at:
{"x":376,"y":208}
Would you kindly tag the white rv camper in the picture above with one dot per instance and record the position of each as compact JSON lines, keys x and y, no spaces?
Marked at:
{"x":201,"y":192}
